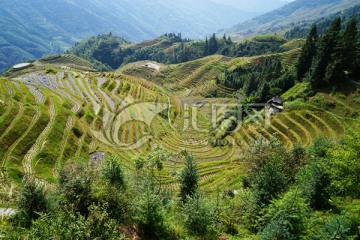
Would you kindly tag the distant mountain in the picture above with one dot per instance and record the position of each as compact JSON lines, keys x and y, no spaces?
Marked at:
{"x":261,"y":6}
{"x":33,"y":28}
{"x":286,"y":17}
{"x":302,"y":30}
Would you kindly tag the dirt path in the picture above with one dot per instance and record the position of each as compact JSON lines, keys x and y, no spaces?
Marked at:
{"x":94,"y":95}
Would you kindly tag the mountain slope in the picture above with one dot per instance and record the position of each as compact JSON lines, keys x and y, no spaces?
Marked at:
{"x":254,"y":5}
{"x":49,"y":115}
{"x":31,"y":29}
{"x":282,"y":19}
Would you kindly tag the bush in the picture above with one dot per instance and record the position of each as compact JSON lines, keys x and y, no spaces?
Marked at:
{"x":112,"y":171}
{"x":334,"y":228}
{"x":315,"y":183}
{"x":199,"y":216}
{"x":69,"y":225}
{"x":75,"y":187}
{"x":345,"y":162}
{"x":285,"y":218}
{"x":32,"y":202}
{"x":51,"y":70}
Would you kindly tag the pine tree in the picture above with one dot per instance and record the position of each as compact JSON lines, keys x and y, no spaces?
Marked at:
{"x":213,"y":44}
{"x":206,"y":48}
{"x":308,"y":53}
{"x":344,"y":55}
{"x":112,"y":171}
{"x":326,"y":50}
{"x":350,"y":45}
{"x":189,"y":177}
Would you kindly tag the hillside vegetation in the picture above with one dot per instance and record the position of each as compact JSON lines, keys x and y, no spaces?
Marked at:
{"x":185,"y":150}
{"x":110,"y":52}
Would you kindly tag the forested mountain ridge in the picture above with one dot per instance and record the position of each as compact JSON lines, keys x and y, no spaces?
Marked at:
{"x":31,"y":29}
{"x":110,"y":52}
{"x":286,"y":17}
{"x":302,"y":30}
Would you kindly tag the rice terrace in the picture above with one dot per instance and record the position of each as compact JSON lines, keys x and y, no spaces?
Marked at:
{"x":172,"y":138}
{"x":52,"y":111}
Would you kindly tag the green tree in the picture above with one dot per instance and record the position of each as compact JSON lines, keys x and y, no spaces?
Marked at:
{"x":345,"y":164}
{"x":189,"y":177}
{"x":75,"y":187}
{"x":199,"y":216}
{"x":149,"y":214}
{"x":112,"y":171}
{"x":308,"y":53}
{"x":350,"y":45}
{"x":213,"y":44}
{"x":150,"y":166}
{"x":285,"y":218}
{"x":327,"y":47}
{"x":69,"y":225}
{"x":334,"y":228}
{"x":315,"y":183}
{"x":206,"y":47}
{"x":267,"y":178}
{"x":32,"y":201}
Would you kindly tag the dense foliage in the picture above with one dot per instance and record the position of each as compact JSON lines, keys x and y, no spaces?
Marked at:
{"x":333,"y":58}
{"x":110,"y":52}
{"x":287,"y":194}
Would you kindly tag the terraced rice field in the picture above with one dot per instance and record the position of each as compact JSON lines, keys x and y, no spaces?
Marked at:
{"x":50,"y":119}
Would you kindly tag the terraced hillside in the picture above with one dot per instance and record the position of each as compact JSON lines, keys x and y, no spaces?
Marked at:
{"x":51,"y":118}
{"x":198,"y":78}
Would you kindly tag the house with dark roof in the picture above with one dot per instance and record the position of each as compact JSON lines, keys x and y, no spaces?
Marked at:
{"x":275,"y":105}
{"x":97,"y":156}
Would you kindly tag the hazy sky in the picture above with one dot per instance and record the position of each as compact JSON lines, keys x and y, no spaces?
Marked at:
{"x":254,"y":5}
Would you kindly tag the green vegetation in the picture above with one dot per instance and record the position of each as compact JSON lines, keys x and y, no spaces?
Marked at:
{"x":332,"y":58}
{"x":140,"y":153}
{"x":110,"y":52}
{"x":286,"y":194}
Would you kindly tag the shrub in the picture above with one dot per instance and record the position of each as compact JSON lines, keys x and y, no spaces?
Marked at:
{"x":112,"y":171}
{"x":199,"y":216}
{"x":285,"y":218}
{"x":75,"y":187}
{"x":51,"y":70}
{"x":32,"y":202}
{"x":69,"y":225}
{"x":345,"y":162}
